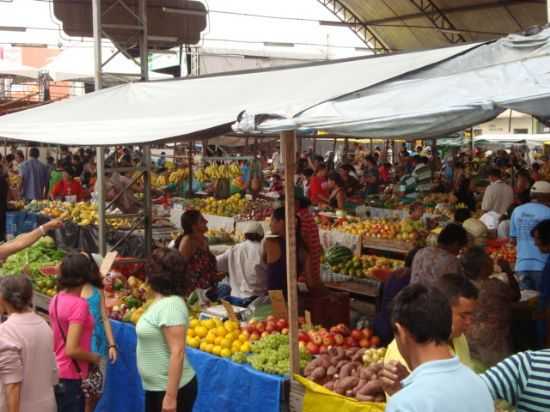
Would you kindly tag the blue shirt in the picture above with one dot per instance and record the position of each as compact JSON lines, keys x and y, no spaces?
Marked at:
{"x":443,"y":385}
{"x":35,"y":179}
{"x":524,"y":219}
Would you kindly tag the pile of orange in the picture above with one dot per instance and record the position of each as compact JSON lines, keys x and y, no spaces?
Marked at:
{"x":217,"y":337}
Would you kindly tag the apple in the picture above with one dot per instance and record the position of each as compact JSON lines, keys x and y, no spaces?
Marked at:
{"x":323,"y":332}
{"x":284,"y":331}
{"x":317,"y":339}
{"x":375,"y":341}
{"x":343,"y":329}
{"x":282,"y":324}
{"x":271,"y":318}
{"x":254,"y":336}
{"x":334,"y":330}
{"x":338,"y":339}
{"x":364,"y":343}
{"x":250,"y":328}
{"x":356,"y":334}
{"x":367,"y":333}
{"x":260,"y":327}
{"x":328,"y":340}
{"x":246,"y":334}
{"x":303,"y":337}
{"x":270,"y":327}
{"x":312,"y":348}
{"x":323,"y":349}
{"x":350,"y":342}
{"x":264,"y":334}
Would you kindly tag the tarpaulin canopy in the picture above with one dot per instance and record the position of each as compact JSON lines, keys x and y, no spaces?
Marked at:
{"x":471,"y":88}
{"x":8,"y":68}
{"x":426,"y":93}
{"x":163,"y":110}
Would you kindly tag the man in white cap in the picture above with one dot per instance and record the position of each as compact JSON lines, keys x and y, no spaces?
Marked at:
{"x":243,"y":263}
{"x":530,"y":260}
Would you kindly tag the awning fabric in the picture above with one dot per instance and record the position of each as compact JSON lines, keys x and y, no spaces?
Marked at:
{"x":425,"y":94}
{"x":469,"y":89}
{"x":163,"y":110}
{"x":8,"y":68}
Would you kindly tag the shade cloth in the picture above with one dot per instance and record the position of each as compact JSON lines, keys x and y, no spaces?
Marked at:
{"x":223,"y":385}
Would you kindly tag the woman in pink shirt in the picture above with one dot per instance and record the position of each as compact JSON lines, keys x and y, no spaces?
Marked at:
{"x":72,"y":343}
{"x":32,"y":337}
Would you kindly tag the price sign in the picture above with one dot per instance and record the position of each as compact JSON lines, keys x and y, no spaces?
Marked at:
{"x":308,"y":319}
{"x":230,"y":312}
{"x":107,"y":263}
{"x":278,"y":304}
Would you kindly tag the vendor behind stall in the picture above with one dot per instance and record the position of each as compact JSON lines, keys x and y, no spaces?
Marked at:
{"x":242,"y":262}
{"x":336,"y":186}
{"x":68,"y":189}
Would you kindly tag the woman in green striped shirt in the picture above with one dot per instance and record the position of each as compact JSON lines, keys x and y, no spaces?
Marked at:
{"x":169,"y":382}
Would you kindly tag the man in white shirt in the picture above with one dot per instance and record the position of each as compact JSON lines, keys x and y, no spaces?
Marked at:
{"x":499,"y":195}
{"x":243,"y":262}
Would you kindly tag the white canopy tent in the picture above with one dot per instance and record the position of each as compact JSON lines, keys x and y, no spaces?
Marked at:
{"x":425,"y":93}
{"x":163,"y":110}
{"x":78,"y":64}
{"x":8,"y":68}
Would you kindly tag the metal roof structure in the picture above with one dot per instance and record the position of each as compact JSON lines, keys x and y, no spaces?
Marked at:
{"x":396,"y":25}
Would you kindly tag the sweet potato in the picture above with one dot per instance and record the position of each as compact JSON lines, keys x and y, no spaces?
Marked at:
{"x":344,"y":384}
{"x":358,"y":357}
{"x":371,"y":388}
{"x":324,"y":360}
{"x":329,"y":385}
{"x":318,"y":374}
{"x":311,"y":366}
{"x":341,"y":363}
{"x":364,"y":398}
{"x":346,"y":370}
{"x":331,"y":371}
{"x":350,"y":352}
{"x":365,"y":374}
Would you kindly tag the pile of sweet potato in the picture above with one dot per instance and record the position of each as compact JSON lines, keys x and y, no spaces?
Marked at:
{"x":342,"y":371}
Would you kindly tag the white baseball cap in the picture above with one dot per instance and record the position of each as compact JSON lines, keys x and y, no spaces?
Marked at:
{"x":253,"y":227}
{"x":540,"y":187}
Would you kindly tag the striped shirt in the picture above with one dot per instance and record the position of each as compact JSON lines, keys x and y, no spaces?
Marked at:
{"x":523,"y":380}
{"x":423,"y":175}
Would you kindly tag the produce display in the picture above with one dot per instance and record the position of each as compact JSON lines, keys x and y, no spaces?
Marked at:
{"x":218,"y":338}
{"x":81,"y":213}
{"x":271,"y":354}
{"x":128,"y":297}
{"x":341,"y":260}
{"x":405,"y":229}
{"x":506,"y":251}
{"x":219,"y":237}
{"x":215,"y":172}
{"x":344,"y":372}
{"x":223,"y":207}
{"x":32,"y":261}
{"x":172,"y":177}
{"x":319,"y":340}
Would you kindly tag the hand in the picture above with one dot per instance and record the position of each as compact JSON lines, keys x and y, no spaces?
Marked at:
{"x":392,"y":375}
{"x":97,"y":359}
{"x":53,"y":224}
{"x":113,"y":354}
{"x":169,"y":403}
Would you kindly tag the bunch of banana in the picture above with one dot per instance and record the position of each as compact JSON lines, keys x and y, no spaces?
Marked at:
{"x":178,"y":176}
{"x":14,"y":180}
{"x":214,"y":172}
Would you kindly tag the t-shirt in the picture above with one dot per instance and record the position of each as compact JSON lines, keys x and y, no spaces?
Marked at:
{"x":522,"y":380}
{"x":432,"y":262}
{"x":35,"y":179}
{"x":153,"y":354}
{"x":34,"y":340}
{"x":524,"y":219}
{"x":443,"y":385}
{"x":423,"y":175}
{"x":459,"y":348}
{"x":70,"y":309}
{"x":497,"y":197}
{"x":316,"y":189}
{"x":72,"y":188}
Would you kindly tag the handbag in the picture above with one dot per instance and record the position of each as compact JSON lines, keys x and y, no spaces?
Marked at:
{"x":92,"y":386}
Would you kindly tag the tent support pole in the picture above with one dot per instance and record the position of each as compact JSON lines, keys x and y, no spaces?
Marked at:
{"x":346,"y":150}
{"x":371,"y":147}
{"x":100,"y":162}
{"x":190,"y":165}
{"x":288,"y":149}
{"x":315,"y":145}
{"x":143,"y":41}
{"x":147,"y":202}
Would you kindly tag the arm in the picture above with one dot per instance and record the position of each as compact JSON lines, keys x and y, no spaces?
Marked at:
{"x":504,"y":380}
{"x":27,"y":239}
{"x":72,"y":346}
{"x":175,"y":339}
{"x":108,"y":330}
{"x":341,"y":199}
{"x":222,"y":261}
{"x":13,"y":396}
{"x":186,"y":247}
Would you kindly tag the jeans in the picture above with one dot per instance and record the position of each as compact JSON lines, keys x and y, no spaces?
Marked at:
{"x":530,"y":280}
{"x":186,"y":398}
{"x":69,"y":396}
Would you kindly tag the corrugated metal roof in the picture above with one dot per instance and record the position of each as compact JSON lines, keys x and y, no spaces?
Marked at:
{"x":410,"y":24}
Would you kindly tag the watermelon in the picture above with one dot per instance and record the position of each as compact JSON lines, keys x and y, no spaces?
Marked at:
{"x":338,"y":254}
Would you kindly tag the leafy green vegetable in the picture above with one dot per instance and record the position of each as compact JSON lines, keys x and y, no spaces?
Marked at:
{"x":42,"y":253}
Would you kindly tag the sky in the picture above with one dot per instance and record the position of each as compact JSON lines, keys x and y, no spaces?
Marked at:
{"x":224,"y":31}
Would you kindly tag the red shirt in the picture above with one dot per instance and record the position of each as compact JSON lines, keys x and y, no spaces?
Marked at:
{"x":72,"y":188}
{"x":316,"y":189}
{"x":310,"y":235}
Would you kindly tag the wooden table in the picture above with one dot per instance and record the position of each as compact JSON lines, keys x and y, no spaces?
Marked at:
{"x":361,"y":291}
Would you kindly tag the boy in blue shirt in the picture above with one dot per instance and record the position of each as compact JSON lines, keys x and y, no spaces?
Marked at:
{"x":422,"y":321}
